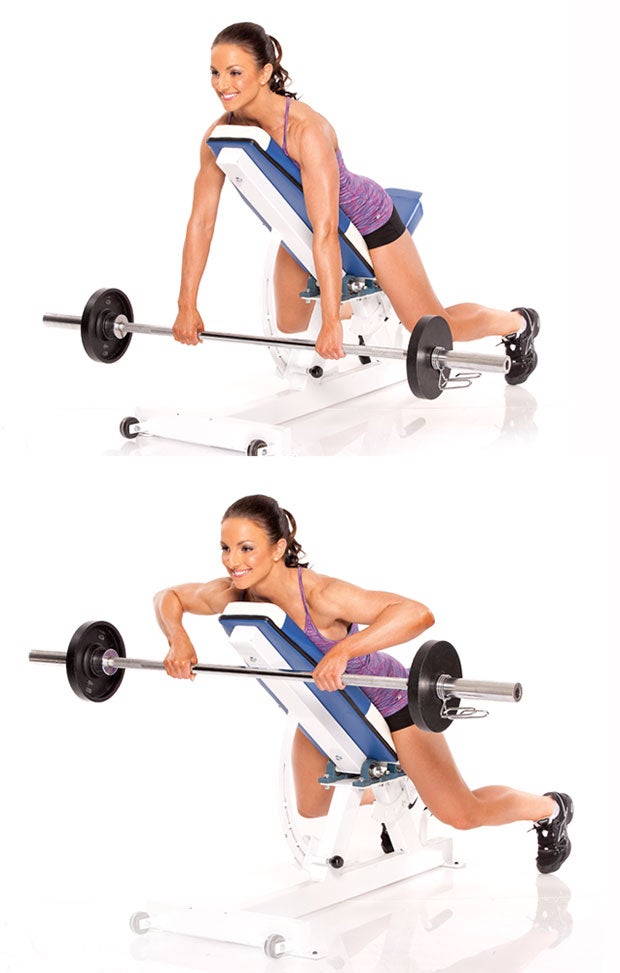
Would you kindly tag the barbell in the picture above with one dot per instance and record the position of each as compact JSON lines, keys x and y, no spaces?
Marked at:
{"x":107,"y":325}
{"x":96,"y":661}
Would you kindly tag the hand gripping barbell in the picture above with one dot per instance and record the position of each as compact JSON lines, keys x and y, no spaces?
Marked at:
{"x":96,"y":661}
{"x":107,"y":325}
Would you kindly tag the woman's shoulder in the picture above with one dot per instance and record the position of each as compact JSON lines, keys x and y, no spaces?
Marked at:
{"x":317,"y":585}
{"x":310,"y":126}
{"x":221,"y":120}
{"x":220,"y":592}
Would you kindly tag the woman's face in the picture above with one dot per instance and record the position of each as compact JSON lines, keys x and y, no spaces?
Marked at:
{"x":235,"y":77}
{"x":247,"y":552}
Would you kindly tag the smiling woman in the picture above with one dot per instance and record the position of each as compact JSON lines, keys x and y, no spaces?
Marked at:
{"x":262,"y":560}
{"x":252,"y":86}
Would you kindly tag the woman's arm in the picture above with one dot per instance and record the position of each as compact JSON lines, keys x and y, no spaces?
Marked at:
{"x":170,"y":606}
{"x":207,"y":191}
{"x":321,"y":182}
{"x":391,"y":619}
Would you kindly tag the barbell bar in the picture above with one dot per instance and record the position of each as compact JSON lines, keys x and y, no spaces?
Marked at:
{"x":96,"y":661}
{"x":107,"y":325}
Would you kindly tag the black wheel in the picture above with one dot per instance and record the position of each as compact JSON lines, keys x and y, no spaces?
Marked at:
{"x":429,"y":333}
{"x":97,"y":328}
{"x":258,"y":447}
{"x":337,"y":861}
{"x":125,"y":427}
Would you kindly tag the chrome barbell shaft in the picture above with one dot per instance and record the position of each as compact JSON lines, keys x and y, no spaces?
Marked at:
{"x":446,"y":686}
{"x":440,"y":358}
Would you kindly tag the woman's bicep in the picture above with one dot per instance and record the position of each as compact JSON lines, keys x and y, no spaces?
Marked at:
{"x":202,"y":598}
{"x":365,"y":606}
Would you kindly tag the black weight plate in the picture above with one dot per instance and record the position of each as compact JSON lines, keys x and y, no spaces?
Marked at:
{"x":432,"y":660}
{"x":430,"y":332}
{"x":97,"y":329}
{"x":84,"y":671}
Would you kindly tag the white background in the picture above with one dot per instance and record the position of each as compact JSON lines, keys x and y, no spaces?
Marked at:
{"x":472,"y":103}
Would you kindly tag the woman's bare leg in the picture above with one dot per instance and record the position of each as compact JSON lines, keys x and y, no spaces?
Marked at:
{"x":402,"y":276}
{"x":309,"y":764}
{"x":289,"y":279}
{"x":427,"y":761}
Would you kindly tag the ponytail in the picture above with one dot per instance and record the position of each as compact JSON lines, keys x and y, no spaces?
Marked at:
{"x":277,"y":523}
{"x":264,"y":48}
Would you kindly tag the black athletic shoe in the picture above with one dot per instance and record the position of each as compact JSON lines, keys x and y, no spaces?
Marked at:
{"x":520,"y":349}
{"x":553,"y":841}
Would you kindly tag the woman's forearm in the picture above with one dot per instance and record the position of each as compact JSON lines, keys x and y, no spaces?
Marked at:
{"x":169,"y":614}
{"x":195,"y":254}
{"x":328,"y":265}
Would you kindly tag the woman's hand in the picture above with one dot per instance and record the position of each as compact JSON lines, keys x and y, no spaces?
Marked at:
{"x":329,"y":341}
{"x":188,"y":326}
{"x":180,"y":659}
{"x":328,"y":673}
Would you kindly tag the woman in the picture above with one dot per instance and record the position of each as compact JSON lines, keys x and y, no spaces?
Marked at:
{"x":262,"y":561}
{"x":248,"y":78}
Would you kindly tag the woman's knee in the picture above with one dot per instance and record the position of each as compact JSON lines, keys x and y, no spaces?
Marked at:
{"x":314,"y":805}
{"x":462,"y":817}
{"x":291,"y":323}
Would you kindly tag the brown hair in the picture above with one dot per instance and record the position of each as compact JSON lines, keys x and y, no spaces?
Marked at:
{"x":275,"y":521}
{"x":264,"y":48}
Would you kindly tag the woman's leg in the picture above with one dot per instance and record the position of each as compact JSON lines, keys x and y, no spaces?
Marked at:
{"x":289,"y":280}
{"x":402,"y":276}
{"x":427,"y":761}
{"x":309,"y":764}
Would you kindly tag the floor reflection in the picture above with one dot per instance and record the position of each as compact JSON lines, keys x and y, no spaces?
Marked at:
{"x":437,"y":930}
{"x":387,"y":422}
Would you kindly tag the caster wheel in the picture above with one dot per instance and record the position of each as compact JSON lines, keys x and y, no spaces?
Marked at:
{"x":137,"y":923}
{"x":337,"y":861}
{"x":258,"y":447}
{"x":274,"y":946}
{"x":125,"y":425}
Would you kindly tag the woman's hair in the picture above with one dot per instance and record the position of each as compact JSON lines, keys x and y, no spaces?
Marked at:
{"x":275,"y":521}
{"x":264,"y":48}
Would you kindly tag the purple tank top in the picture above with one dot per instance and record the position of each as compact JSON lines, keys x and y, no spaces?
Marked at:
{"x":363,"y":201}
{"x":387,"y":701}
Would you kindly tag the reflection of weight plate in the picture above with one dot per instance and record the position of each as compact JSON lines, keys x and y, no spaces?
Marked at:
{"x":430,"y":332}
{"x":432,"y":660}
{"x":97,"y":327}
{"x":84,"y":661}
